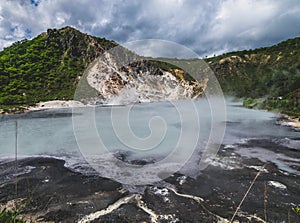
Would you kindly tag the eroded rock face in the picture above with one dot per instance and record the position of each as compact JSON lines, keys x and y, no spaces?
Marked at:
{"x":139,"y":81}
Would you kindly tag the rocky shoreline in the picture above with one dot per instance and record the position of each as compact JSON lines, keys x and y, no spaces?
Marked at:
{"x":50,"y":192}
{"x":53,"y":193}
{"x":289,"y":121}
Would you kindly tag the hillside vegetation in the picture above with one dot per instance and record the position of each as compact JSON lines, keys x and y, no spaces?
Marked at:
{"x":48,"y":66}
{"x":268,"y":77}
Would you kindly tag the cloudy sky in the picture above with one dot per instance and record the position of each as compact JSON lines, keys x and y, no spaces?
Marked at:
{"x":206,"y":27}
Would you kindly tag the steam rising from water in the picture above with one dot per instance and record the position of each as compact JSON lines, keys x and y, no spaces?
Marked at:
{"x":142,"y":143}
{"x":50,"y":133}
{"x":109,"y":76}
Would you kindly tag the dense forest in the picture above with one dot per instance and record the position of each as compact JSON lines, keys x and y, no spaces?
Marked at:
{"x":49,"y":66}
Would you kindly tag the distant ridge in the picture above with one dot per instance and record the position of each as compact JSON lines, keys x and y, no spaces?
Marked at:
{"x":49,"y":67}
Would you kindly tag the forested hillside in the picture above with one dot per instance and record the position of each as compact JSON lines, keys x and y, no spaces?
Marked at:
{"x":48,"y":66}
{"x":267,"y":77}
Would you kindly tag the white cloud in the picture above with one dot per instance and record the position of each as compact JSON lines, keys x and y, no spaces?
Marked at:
{"x":207,"y":27}
{"x":242,"y":17}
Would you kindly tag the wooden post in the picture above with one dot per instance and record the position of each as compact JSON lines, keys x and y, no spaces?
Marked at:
{"x":16,"y":155}
{"x":265,"y":201}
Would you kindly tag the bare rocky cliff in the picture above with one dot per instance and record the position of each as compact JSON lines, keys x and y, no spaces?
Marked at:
{"x":139,"y":81}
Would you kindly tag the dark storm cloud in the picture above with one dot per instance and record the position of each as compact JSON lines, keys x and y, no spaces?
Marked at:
{"x":207,"y":27}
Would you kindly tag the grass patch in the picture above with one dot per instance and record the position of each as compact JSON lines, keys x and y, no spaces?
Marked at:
{"x":296,"y":210}
{"x":8,"y":216}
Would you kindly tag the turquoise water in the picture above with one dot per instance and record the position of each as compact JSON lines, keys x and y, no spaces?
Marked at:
{"x":50,"y":132}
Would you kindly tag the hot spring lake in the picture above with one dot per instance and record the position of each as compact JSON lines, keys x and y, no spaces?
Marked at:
{"x":51,"y":133}
{"x":75,"y":162}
